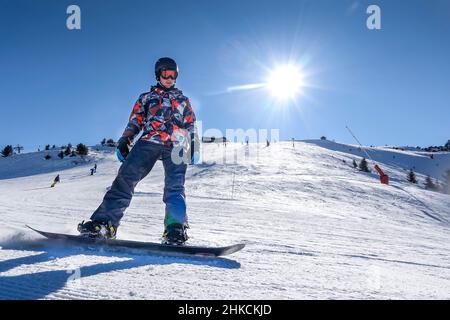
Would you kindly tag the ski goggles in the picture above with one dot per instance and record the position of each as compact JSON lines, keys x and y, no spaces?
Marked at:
{"x":169,"y":74}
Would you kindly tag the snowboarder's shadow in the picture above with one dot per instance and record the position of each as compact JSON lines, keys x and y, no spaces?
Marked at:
{"x":38,"y":285}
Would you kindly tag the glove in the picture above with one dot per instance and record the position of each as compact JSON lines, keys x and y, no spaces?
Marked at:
{"x":195,"y":158}
{"x":122,"y":148}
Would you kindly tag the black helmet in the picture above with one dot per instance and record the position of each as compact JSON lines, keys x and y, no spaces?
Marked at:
{"x":165,"y":64}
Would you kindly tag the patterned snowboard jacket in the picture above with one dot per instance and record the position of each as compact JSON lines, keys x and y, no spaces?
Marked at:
{"x":166,"y":116}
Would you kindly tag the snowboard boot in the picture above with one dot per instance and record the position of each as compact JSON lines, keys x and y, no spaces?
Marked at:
{"x":97,"y":229}
{"x":175,"y":234}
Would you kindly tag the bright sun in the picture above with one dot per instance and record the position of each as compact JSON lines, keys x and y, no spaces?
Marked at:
{"x":285,"y":82}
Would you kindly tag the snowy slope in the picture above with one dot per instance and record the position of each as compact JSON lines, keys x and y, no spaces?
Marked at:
{"x":314,"y":228}
{"x":419,"y":161}
{"x":27,"y":164}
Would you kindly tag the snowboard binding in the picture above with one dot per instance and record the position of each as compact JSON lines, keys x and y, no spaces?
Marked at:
{"x":97,"y":229}
{"x":175,"y":234}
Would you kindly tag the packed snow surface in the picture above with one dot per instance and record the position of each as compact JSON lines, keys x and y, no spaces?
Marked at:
{"x":314,"y":227}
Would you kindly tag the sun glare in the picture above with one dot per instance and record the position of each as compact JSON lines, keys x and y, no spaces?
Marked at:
{"x":285,"y":82}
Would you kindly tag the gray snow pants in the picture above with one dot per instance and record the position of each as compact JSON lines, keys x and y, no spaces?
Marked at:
{"x":137,"y":165}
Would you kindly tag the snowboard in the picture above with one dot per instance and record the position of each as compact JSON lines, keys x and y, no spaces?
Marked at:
{"x":150,"y":247}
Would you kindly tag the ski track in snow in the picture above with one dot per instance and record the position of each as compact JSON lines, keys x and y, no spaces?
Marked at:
{"x":315,"y":228}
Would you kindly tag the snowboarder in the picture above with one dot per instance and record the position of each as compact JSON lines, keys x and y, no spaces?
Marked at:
{"x":168,"y":122}
{"x":55,"y":181}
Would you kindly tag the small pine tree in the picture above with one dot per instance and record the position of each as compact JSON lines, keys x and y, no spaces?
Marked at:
{"x":412,"y":176}
{"x":363,"y":165}
{"x":54,"y":147}
{"x":110,"y":143}
{"x":355,"y":165}
{"x":47,"y":157}
{"x":73,"y":153}
{"x":429,"y":184}
{"x":47,"y":147}
{"x":82,"y":149}
{"x":103,"y":142}
{"x":7,"y":151}
{"x":447,"y":145}
{"x":61,"y":155}
{"x":323,"y":138}
{"x":68,"y":150}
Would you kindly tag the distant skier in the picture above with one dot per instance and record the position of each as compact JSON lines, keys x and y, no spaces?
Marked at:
{"x":94,"y":169}
{"x":55,"y":181}
{"x":168,"y":122}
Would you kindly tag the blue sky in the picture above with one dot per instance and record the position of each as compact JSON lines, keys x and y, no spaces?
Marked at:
{"x":390,"y":86}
